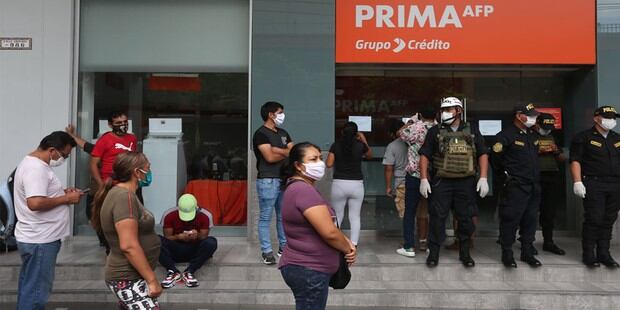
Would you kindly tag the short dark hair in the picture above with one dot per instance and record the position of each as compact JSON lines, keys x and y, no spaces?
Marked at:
{"x":269,"y":107}
{"x":395,"y":125}
{"x":115,"y":114}
{"x":57,"y":140}
{"x":428,"y":111}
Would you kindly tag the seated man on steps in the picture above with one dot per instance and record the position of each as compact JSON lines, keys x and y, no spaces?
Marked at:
{"x":186,"y":239}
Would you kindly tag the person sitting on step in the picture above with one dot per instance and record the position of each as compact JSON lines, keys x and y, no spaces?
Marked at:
{"x":186,"y":239}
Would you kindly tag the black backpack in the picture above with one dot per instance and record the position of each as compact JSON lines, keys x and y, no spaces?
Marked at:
{"x":8,"y":218}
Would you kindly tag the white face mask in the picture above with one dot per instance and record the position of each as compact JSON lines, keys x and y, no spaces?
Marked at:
{"x":315,"y":171}
{"x":279,"y":120}
{"x":447,"y":117}
{"x":608,"y":123}
{"x":57,"y":162}
{"x":544,"y":132}
{"x":531,"y":121}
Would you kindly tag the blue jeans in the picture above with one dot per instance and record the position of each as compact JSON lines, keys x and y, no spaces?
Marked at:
{"x":309,"y":287}
{"x":412,"y":198}
{"x":269,"y":196}
{"x":36,"y":276}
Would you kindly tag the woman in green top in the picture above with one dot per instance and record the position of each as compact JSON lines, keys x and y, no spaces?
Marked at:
{"x":129,"y":228}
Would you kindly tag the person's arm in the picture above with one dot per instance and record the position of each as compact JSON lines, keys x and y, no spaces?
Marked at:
{"x":127,"y":230}
{"x":269,"y":155}
{"x":41,"y":203}
{"x":203,"y":234}
{"x":70,"y":129}
{"x":388,"y":172}
{"x":424,"y":167}
{"x":169,"y":234}
{"x":280,"y":151}
{"x":94,"y":170}
{"x":331,"y":159}
{"x":362,"y":138}
{"x":320,"y":218}
{"x":575,"y":171}
{"x":483,"y":163}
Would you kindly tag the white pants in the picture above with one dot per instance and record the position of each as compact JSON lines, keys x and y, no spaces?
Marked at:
{"x":351,"y":193}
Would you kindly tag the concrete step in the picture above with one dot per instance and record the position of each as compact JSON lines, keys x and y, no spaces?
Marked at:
{"x":387,"y":294}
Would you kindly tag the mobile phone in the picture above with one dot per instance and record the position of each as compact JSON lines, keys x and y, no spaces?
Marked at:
{"x":86,"y":190}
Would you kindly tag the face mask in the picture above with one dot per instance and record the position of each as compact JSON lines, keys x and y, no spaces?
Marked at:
{"x":279,"y":120}
{"x":531,"y":121}
{"x":120,"y":130}
{"x":57,"y":162}
{"x":608,"y":123}
{"x":447,"y":118}
{"x":148,"y":178}
{"x":315,"y":171}
{"x":544,"y":132}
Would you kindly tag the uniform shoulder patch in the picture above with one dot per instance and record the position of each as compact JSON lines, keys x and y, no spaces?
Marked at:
{"x":617,"y":144}
{"x":520,"y":143}
{"x":596,"y":143}
{"x":498,"y":147}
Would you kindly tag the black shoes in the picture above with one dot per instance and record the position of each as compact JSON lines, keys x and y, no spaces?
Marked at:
{"x":433,"y":258}
{"x":553,"y":248}
{"x":508,"y":260}
{"x":589,"y":259}
{"x":464,"y":257}
{"x":530,"y":260}
{"x":608,"y":261}
{"x":467,"y":261}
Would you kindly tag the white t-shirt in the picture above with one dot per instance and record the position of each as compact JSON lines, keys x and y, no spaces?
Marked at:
{"x":34,"y":178}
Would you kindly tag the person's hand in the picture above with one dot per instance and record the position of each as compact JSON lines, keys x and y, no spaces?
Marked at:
{"x":579,"y":189}
{"x":361,"y":137}
{"x":388,"y":191}
{"x":193,"y":235}
{"x":70,"y":129}
{"x":425,"y":188}
{"x":352,"y":255}
{"x":154,"y":288}
{"x":482,"y":187}
{"x":73,"y":197}
{"x":71,"y":190}
{"x":183,"y":237}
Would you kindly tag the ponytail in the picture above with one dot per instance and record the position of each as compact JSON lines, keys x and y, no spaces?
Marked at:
{"x":296,"y":155}
{"x":102,"y":192}
{"x":349,"y":135}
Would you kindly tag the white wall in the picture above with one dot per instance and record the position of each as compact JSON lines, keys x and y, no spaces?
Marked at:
{"x":35,"y":85}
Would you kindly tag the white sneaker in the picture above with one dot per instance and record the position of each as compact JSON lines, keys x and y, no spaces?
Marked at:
{"x":406,"y":252}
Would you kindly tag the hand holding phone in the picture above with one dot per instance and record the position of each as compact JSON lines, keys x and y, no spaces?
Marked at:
{"x":85,"y":191}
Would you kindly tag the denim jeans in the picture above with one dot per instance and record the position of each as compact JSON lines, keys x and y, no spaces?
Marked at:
{"x":36,"y":276}
{"x":269,"y":196}
{"x":412,"y":198}
{"x":309,"y":287}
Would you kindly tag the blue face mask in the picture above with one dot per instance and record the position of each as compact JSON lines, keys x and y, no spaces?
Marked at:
{"x":148,"y":178}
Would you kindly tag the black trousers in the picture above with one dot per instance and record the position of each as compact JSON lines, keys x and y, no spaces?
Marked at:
{"x":601,"y":207}
{"x":518,"y":209}
{"x":552,"y":196}
{"x":196,"y":253}
{"x":456,"y":194}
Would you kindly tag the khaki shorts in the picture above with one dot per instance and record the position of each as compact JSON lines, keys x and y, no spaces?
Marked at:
{"x":399,"y":200}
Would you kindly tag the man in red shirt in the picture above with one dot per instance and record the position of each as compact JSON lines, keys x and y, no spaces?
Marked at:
{"x":110,"y":145}
{"x":186,"y":239}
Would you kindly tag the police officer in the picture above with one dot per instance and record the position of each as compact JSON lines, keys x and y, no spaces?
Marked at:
{"x":550,"y":156}
{"x":515,"y":161}
{"x":595,"y":167}
{"x":453,"y":149}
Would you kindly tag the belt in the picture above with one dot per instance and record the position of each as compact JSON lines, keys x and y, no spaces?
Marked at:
{"x":601,"y":178}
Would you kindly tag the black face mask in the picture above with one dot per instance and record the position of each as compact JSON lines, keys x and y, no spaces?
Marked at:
{"x":120,"y":129}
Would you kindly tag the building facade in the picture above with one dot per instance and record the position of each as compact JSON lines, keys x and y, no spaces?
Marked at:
{"x":212,"y":63}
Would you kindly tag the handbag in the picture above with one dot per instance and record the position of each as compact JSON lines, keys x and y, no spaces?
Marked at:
{"x":342,"y":277}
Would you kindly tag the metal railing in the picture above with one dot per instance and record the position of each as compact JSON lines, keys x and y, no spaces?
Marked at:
{"x":608,"y":28}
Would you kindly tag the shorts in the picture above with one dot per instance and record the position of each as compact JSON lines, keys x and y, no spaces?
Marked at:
{"x":399,"y":200}
{"x":133,"y":295}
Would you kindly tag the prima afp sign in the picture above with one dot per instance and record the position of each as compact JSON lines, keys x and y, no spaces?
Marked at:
{"x":466,"y":31}
{"x":15,"y":43}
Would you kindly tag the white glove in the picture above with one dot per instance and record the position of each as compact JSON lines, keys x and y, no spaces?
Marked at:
{"x":425,"y":188}
{"x":482,"y":187}
{"x":579,"y":189}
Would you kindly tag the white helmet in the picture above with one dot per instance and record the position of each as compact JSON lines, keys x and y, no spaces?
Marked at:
{"x":451,"y":102}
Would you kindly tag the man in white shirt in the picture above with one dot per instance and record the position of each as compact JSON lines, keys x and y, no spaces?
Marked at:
{"x":42,"y":208}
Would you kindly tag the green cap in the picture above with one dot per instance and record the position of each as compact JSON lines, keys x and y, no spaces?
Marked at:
{"x":187,"y":207}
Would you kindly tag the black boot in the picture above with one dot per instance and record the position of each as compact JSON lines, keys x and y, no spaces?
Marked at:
{"x":508,"y":259}
{"x":464,"y":256}
{"x":588,"y":257}
{"x":433,"y":256}
{"x":527,"y":256}
{"x":603,"y":255}
{"x":549,"y":246}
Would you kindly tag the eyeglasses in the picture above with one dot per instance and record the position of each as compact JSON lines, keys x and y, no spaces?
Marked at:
{"x":65,"y":156}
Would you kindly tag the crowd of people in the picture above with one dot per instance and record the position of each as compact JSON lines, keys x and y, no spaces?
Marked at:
{"x":436,"y":164}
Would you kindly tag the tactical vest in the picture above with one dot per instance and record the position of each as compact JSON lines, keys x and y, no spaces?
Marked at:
{"x":547,"y":161}
{"x":457,"y":153}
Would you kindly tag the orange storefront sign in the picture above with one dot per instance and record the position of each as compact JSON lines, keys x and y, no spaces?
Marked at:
{"x":466,"y":32}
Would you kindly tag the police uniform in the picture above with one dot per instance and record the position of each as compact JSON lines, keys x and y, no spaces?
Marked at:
{"x":514,"y":158}
{"x":453,"y":156}
{"x":599,"y":157}
{"x":551,"y":181}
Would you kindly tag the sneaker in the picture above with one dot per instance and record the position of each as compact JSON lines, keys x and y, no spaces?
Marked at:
{"x":268,"y":258}
{"x":410,"y":252}
{"x":279,"y":253}
{"x":189,"y":279}
{"x":171,"y":279}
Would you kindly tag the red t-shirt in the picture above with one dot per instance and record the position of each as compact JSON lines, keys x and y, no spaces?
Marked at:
{"x":110,"y":145}
{"x":172,"y":220}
